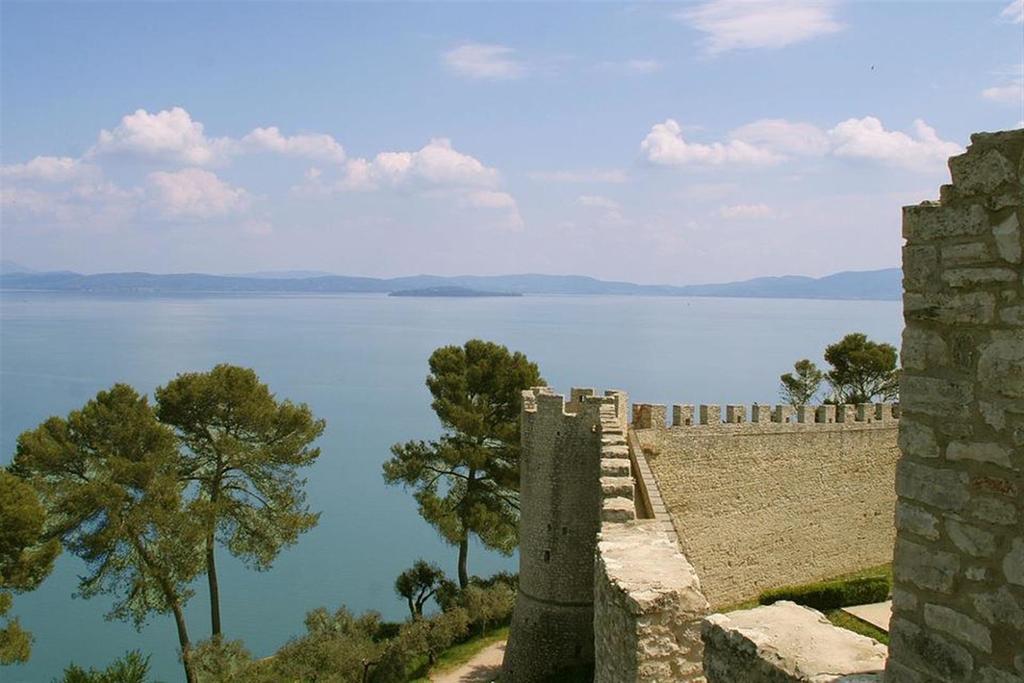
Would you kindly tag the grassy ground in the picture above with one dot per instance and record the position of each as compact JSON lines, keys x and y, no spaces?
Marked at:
{"x":457,"y":655}
{"x":838,"y":616}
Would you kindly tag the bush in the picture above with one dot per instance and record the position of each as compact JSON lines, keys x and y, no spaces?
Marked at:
{"x":832,"y":594}
{"x":131,"y":668}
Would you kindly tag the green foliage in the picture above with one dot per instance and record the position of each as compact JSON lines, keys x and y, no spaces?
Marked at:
{"x":862,"y":370}
{"x":25,"y":559}
{"x":242,"y":448}
{"x":488,"y":605}
{"x":418,"y":584}
{"x":108,"y":478}
{"x":131,"y":668}
{"x":833,"y":594}
{"x":221,"y":661}
{"x":466,"y":482}
{"x":800,"y":387}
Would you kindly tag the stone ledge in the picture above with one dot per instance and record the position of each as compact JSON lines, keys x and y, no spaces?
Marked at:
{"x":784,"y":643}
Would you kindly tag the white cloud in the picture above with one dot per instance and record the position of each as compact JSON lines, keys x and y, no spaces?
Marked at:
{"x":587,"y":175}
{"x":195,"y":193}
{"x":313,"y":146}
{"x":484,"y":62}
{"x":867,"y":138}
{"x":665,"y":146}
{"x":437,"y":164}
{"x":746,"y":212}
{"x":1014,"y":12}
{"x":747,"y":24}
{"x":784,"y":137}
{"x":490,"y":199}
{"x":598,"y":202}
{"x":170,"y":135}
{"x":50,"y":169}
{"x":1011,"y":93}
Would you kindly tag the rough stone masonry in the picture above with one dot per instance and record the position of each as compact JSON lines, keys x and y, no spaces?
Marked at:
{"x":959,"y":555}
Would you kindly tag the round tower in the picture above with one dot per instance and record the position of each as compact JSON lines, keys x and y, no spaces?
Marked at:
{"x":552,"y":635}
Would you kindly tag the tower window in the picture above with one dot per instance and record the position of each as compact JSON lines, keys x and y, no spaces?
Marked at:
{"x":547,"y":555}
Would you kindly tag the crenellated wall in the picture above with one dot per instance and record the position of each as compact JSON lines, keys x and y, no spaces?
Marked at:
{"x":959,"y":556}
{"x":775,"y":495}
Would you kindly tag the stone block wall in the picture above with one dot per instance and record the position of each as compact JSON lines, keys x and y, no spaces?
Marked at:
{"x":771,"y":501}
{"x":959,"y":556}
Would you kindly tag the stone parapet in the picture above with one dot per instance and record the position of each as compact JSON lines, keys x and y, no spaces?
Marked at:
{"x":787,"y":643}
{"x":762,"y":415}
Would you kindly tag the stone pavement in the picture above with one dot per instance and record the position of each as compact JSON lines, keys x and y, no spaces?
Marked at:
{"x":876,"y":614}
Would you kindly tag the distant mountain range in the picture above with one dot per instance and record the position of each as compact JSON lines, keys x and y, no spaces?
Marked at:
{"x":873,"y":284}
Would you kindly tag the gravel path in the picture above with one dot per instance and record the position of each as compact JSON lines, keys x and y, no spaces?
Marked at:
{"x":483,"y":668}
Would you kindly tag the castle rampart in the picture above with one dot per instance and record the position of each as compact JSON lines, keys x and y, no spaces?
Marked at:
{"x":758,"y":504}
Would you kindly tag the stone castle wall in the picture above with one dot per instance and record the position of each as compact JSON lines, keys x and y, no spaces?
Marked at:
{"x":759,"y":504}
{"x":959,"y":557}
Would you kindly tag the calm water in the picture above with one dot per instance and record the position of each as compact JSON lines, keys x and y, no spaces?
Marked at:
{"x":359,"y":362}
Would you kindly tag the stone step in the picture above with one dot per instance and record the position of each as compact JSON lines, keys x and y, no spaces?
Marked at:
{"x":615,"y":451}
{"x":615,"y":467}
{"x":612,"y":487}
{"x":618,"y":510}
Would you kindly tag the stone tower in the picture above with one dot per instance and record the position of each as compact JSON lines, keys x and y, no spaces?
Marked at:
{"x":552,"y":633}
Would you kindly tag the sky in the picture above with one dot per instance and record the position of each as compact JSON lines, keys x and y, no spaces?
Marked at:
{"x":656,"y":143}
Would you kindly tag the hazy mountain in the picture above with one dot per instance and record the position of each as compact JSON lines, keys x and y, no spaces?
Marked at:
{"x":284,"y":274}
{"x":8,"y":266}
{"x":874,"y":284}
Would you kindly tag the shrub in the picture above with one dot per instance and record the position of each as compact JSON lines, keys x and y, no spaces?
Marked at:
{"x":832,"y":594}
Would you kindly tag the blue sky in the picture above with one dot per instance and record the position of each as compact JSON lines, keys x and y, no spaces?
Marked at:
{"x":673,"y":143}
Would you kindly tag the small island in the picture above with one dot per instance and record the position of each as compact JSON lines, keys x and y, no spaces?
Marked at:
{"x":450,"y":291}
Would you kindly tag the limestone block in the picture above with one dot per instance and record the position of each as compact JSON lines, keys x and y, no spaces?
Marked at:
{"x":682,"y":415}
{"x":618,"y":510}
{"x":946,"y":489}
{"x":920,"y":265}
{"x":786,"y":642}
{"x":1001,"y":366}
{"x":1008,"y":242}
{"x":735,"y":414}
{"x":916,"y":520}
{"x":710,"y":415}
{"x":970,"y":308}
{"x":760,"y":413}
{"x":999,"y":607}
{"x":917,"y":439}
{"x":805,"y":414}
{"x":958,"y":625}
{"x":969,"y":277}
{"x":970,"y":539}
{"x":928,"y":222}
{"x":979,"y":452}
{"x":928,"y":652}
{"x":981,"y":173}
{"x":992,"y":510}
{"x":922,"y":348}
{"x":936,"y":396}
{"x":970,"y":253}
{"x":925,"y":567}
{"x":1013,"y":563}
{"x":825,"y":414}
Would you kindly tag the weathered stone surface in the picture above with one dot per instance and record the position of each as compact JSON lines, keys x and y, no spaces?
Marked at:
{"x":992,"y":510}
{"x":1013,"y":563}
{"x":923,"y":348}
{"x":980,"y":452}
{"x":971,"y":539}
{"x":960,"y":254}
{"x":917,"y":439}
{"x":786,"y":642}
{"x":1008,"y":241}
{"x":1001,"y":366}
{"x":935,"y":395}
{"x":928,"y":222}
{"x":938,"y":487}
{"x":958,"y":625}
{"x":999,"y":607}
{"x":928,"y":568}
{"x":967,"y":277}
{"x":929,"y":653}
{"x":970,"y":308}
{"x":981,"y":173}
{"x":920,"y":267}
{"x":916,"y":520}
{"x":991,"y":675}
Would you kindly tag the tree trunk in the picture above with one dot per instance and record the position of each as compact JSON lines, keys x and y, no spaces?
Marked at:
{"x":413,"y":612}
{"x":463,"y":565}
{"x":186,"y":646}
{"x":211,"y":577}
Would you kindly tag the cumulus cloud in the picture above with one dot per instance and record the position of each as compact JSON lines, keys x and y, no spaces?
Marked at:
{"x":775,"y":140}
{"x":1011,"y":93}
{"x":50,"y":169}
{"x":746,"y":212}
{"x":1014,"y":12}
{"x":170,"y":135}
{"x":586,"y":175}
{"x":490,"y":199}
{"x":484,"y":62}
{"x":437,"y":164}
{"x":195,"y":193}
{"x":313,"y":146}
{"x":665,"y":146}
{"x":867,"y":138}
{"x":784,"y":137}
{"x":749,"y":24}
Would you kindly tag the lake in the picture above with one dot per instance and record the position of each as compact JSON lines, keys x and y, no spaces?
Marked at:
{"x":360,"y":361}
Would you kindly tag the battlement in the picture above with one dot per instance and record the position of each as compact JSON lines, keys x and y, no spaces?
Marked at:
{"x":686,"y":415}
{"x":545,"y":402}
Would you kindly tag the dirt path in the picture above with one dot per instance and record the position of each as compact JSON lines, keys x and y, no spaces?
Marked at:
{"x":483,"y":668}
